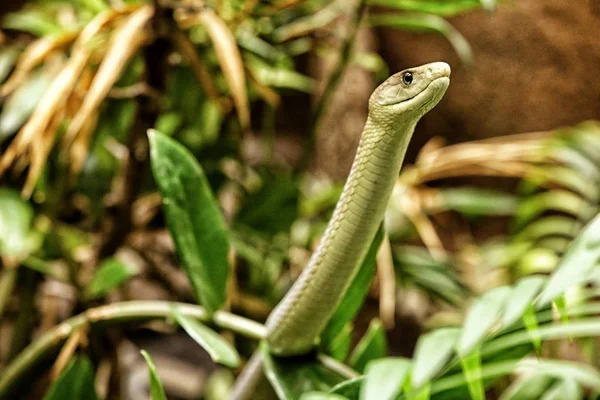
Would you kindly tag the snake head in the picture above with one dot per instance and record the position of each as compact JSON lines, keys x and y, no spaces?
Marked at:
{"x":411,"y":92}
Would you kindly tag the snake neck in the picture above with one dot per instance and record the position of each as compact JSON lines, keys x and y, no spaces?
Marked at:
{"x":296,"y":323}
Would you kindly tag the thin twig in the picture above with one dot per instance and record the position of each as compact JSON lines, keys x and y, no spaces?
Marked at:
{"x":113,"y":314}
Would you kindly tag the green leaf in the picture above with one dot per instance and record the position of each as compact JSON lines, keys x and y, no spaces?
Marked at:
{"x":527,"y":388}
{"x":443,"y":8}
{"x":110,"y":274}
{"x":156,"y":390}
{"x":76,"y":382}
{"x":356,"y":293}
{"x":279,"y":77}
{"x":521,"y":297}
{"x":217,"y":348}
{"x":193,"y":218}
{"x":532,"y":327}
{"x":481,"y":317}
{"x":427,"y":23}
{"x":471,"y":365}
{"x":432,"y":352}
{"x":582,"y":373}
{"x":20,"y":104}
{"x":321,"y":396}
{"x":350,"y":388}
{"x":339,"y":347}
{"x":576,"y":265}
{"x":384,"y":378}
{"x":291,"y":378}
{"x":575,"y":329}
{"x":557,"y":200}
{"x":475,"y":201}
{"x":372,"y":346}
{"x":16,"y":216}
{"x":32,"y":20}
{"x":565,"y":389}
{"x":8,"y":57}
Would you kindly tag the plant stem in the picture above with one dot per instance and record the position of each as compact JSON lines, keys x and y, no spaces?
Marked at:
{"x":133,"y":311}
{"x":334,"y":80}
{"x":339,"y":368}
{"x":148,"y":109}
{"x":248,"y":379}
{"x":7,"y":284}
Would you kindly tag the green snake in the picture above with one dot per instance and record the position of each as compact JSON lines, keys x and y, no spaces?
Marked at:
{"x":395,"y":107}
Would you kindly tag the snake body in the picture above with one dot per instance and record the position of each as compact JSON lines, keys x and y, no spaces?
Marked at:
{"x":395,"y":107}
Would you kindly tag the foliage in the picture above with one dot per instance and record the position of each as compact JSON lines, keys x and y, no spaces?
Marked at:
{"x":122,"y":120}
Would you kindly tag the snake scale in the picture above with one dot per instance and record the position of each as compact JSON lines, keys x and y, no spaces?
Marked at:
{"x":395,"y":107}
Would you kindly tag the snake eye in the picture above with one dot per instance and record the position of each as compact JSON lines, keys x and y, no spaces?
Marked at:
{"x":407,"y":78}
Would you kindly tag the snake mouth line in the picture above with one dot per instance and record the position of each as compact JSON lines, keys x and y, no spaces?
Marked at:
{"x":425,"y":89}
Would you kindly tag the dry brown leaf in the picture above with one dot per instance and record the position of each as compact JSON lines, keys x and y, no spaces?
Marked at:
{"x":39,"y":154}
{"x":229,"y":57}
{"x":43,"y":120}
{"x":124,"y":43}
{"x":33,"y":55}
{"x":66,"y":353}
{"x":424,"y":226}
{"x":387,"y":284}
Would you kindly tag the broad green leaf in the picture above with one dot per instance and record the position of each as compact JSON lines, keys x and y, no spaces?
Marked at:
{"x":527,"y":388}
{"x":481,"y":317}
{"x":521,"y":297}
{"x":372,"y":346}
{"x":193,"y":218}
{"x":110,"y":274}
{"x":217,"y":348}
{"x":565,"y":389}
{"x":76,"y":382}
{"x":291,"y":378}
{"x":350,"y":388}
{"x":156,"y":389}
{"x":321,"y":396}
{"x":471,"y":365}
{"x":16,"y":216}
{"x":444,"y":8}
{"x":576,"y":265}
{"x":356,"y":293}
{"x":385,"y":378}
{"x":432,"y":352}
{"x":427,"y":23}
